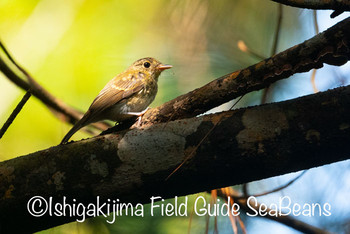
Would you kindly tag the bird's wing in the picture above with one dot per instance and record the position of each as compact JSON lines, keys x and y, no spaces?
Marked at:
{"x":115,"y":91}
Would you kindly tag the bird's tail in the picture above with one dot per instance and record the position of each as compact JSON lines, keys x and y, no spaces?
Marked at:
{"x":81,"y":123}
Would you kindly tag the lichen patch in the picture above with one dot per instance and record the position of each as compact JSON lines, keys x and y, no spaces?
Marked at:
{"x":265,"y":123}
{"x":97,"y":167}
{"x":143,"y":149}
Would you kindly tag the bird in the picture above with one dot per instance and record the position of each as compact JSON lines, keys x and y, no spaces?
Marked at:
{"x":128,"y":94}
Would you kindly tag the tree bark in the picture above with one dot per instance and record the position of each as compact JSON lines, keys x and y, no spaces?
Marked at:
{"x":246,"y":145}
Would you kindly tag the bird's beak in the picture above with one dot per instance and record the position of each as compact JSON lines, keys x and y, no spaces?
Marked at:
{"x":163,"y":67}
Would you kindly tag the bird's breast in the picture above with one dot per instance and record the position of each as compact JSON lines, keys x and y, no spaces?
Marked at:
{"x":141,"y":100}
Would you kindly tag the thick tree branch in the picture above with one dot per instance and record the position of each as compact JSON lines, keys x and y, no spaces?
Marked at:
{"x":248,"y":144}
{"x":330,"y":47}
{"x":318,"y":4}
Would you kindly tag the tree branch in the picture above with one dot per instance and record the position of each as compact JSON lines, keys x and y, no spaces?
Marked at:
{"x":318,"y":4}
{"x":60,"y":109}
{"x":248,"y":144}
{"x":15,"y":113}
{"x":274,"y":48}
{"x":330,"y":47}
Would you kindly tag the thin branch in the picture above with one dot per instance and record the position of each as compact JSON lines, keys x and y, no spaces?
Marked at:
{"x":59,"y":108}
{"x":265,"y":94}
{"x":188,"y":157}
{"x":313,"y":74}
{"x":15,"y":113}
{"x":317,"y":30}
{"x":245,"y":190}
{"x":28,"y":76}
{"x":313,"y":80}
{"x":277,"y":30}
{"x":274,"y":47}
{"x":275,"y":189}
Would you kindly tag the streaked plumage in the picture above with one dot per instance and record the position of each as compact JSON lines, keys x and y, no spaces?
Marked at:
{"x":126,"y":95}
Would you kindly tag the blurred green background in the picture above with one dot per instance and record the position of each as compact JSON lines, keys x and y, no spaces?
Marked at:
{"x":74,"y":47}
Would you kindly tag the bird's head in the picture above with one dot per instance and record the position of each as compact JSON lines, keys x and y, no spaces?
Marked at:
{"x":150,"y":67}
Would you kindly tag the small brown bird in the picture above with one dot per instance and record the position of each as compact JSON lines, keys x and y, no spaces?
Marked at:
{"x":126,"y":95}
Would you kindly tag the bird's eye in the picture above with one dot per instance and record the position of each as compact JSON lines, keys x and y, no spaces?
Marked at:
{"x":146,"y":64}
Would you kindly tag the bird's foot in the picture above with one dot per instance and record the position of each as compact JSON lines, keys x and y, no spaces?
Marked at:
{"x":139,"y":114}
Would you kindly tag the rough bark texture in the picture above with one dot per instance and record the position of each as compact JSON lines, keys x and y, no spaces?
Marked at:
{"x":331,"y":47}
{"x":246,"y":145}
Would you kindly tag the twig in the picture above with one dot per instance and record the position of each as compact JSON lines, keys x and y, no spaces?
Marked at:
{"x":277,"y":30}
{"x":200,"y":143}
{"x":15,"y":113}
{"x":28,"y":76}
{"x":274,"y":47}
{"x":59,"y":108}
{"x":245,"y":189}
{"x":313,"y":74}
{"x":317,"y":30}
{"x":313,"y":81}
{"x":193,"y":151}
{"x":264,"y":94}
{"x":276,"y":189}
